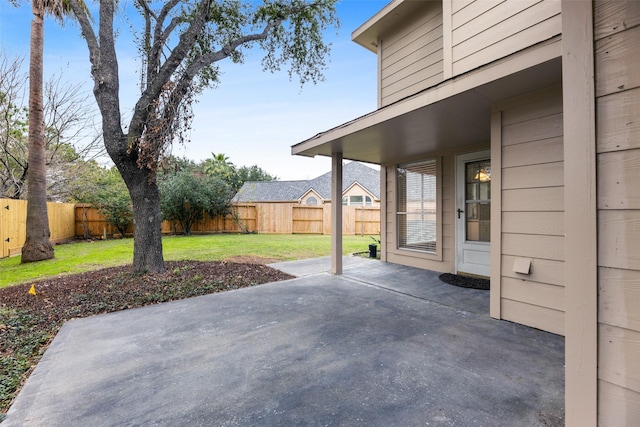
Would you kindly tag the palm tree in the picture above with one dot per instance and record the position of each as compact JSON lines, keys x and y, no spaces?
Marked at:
{"x":220,"y":166}
{"x":37,"y":246}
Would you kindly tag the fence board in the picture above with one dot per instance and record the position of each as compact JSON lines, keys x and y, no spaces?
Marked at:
{"x":67,"y":221}
{"x":13,"y":222}
{"x":307,"y":220}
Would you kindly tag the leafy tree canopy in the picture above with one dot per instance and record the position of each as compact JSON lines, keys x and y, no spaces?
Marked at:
{"x":220,"y":166}
{"x":181,"y":43}
{"x":186,"y":196}
{"x":105,"y":189}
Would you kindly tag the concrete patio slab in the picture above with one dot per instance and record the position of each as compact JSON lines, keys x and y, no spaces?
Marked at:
{"x":416,"y":282}
{"x":317,"y":350}
{"x":307,"y":267}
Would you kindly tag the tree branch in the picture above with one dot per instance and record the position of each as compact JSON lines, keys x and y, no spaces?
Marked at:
{"x":155,"y":85}
{"x":87,"y":31}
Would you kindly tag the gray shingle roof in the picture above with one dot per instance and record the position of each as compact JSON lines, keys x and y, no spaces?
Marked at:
{"x":279,"y":191}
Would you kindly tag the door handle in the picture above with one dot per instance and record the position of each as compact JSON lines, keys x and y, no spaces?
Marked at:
{"x":459,"y":212}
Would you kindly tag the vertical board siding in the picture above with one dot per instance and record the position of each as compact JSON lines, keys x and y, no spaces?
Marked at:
{"x":532,"y":208}
{"x":617,"y":56}
{"x":308,"y":220}
{"x":61,"y":223}
{"x":275,"y":217}
{"x":484,"y":31}
{"x":367,"y":221}
{"x":68,"y":221}
{"x":411,"y":59}
{"x":13,"y":220}
{"x":89,"y":223}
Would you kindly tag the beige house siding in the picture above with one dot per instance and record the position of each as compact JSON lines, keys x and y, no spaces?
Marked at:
{"x":485,"y":30}
{"x":358,"y":190}
{"x":444,"y":261}
{"x":532,"y":210}
{"x":411,"y":58}
{"x":617,"y":54}
{"x":308,"y":195}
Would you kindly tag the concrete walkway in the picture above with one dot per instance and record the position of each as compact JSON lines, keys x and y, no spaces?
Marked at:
{"x":382,"y":345}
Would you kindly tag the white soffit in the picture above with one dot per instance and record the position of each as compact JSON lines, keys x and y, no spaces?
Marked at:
{"x":430,"y":121}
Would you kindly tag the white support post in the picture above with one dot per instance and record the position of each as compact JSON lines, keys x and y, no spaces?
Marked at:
{"x":336,"y":213}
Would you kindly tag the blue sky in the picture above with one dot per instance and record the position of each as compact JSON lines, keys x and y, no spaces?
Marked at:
{"x":252,"y":117}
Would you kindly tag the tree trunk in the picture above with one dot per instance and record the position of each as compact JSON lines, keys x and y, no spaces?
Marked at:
{"x":37,"y":246}
{"x":147,"y":221}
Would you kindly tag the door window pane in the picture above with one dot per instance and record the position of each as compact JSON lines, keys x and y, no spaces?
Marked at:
{"x":478,"y":201}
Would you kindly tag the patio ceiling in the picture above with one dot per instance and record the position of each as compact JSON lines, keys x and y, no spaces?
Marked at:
{"x":443,"y":118}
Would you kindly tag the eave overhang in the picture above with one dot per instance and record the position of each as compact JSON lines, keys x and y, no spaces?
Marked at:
{"x":449,"y":116}
{"x":388,"y":17}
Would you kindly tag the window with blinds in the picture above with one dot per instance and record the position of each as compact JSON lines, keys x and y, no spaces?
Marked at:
{"x":416,"y":207}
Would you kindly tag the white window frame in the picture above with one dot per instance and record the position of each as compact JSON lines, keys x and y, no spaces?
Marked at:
{"x":435,"y":254}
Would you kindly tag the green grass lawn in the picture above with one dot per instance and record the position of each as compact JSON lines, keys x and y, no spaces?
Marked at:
{"x":86,"y":256}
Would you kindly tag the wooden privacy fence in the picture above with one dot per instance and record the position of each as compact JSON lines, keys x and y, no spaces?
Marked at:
{"x":67,"y":221}
{"x":268,"y":218}
{"x":286,"y":218}
{"x":241,"y":220}
{"x":13,"y":220}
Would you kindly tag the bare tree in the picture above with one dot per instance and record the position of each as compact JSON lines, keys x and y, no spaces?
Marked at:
{"x":13,"y":129}
{"x":181,"y":43}
{"x":71,"y":136}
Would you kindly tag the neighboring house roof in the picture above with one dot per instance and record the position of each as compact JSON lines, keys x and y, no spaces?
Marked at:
{"x":280,"y":191}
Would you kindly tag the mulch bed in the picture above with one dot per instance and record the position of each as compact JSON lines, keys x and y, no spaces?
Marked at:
{"x":117,"y":288}
{"x":465,"y":281}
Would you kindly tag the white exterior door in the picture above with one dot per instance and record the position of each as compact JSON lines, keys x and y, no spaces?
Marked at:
{"x":473,"y":213}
